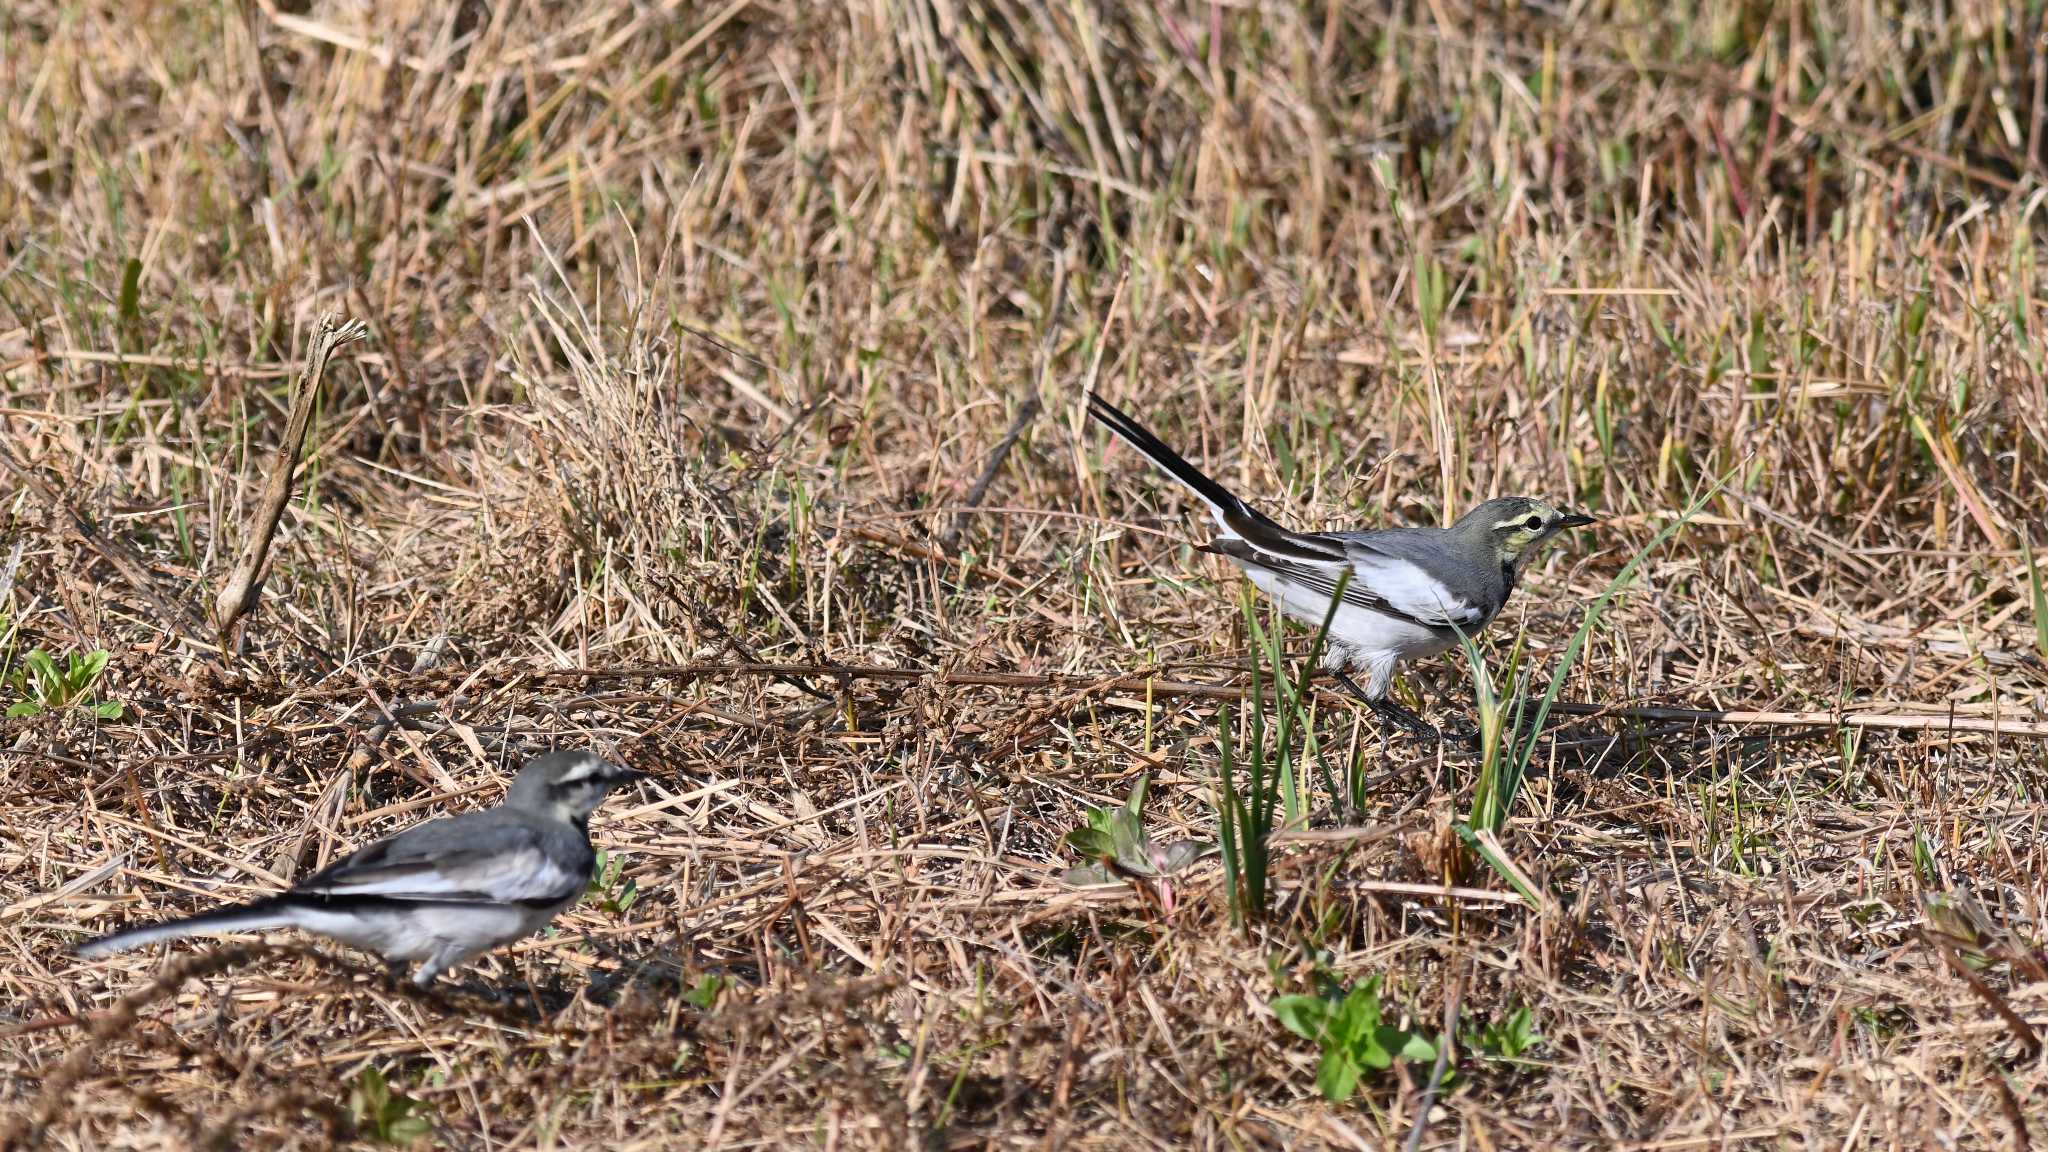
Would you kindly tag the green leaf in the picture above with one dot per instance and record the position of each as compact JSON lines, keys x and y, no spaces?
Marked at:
{"x":107,"y":710}
{"x":1357,"y":1018}
{"x":408,"y":1128}
{"x":368,"y":1100}
{"x":1093,"y":843}
{"x":45,"y":680}
{"x":1135,"y":802}
{"x":1506,"y":1039}
{"x":1338,"y":1075}
{"x":384,"y":1116}
{"x":86,"y":669}
{"x":23,"y":708}
{"x":1406,"y":1045}
{"x":1301,"y":1015}
{"x":1129,"y":843}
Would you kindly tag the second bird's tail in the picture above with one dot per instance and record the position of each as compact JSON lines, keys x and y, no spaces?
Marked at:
{"x":268,"y":912}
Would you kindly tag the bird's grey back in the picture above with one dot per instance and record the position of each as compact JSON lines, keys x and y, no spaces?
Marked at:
{"x":494,"y":833}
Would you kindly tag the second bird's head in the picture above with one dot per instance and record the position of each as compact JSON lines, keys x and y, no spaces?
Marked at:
{"x":568,"y":784}
{"x":1511,"y":525}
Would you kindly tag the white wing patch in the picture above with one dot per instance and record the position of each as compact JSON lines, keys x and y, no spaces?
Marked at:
{"x":1413,"y":593}
{"x":1379,"y":583}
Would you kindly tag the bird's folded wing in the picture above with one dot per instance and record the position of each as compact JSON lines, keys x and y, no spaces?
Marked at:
{"x":1390,"y":585}
{"x":446,"y":860}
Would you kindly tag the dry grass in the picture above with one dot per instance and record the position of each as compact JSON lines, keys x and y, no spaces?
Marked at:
{"x":693,"y":327}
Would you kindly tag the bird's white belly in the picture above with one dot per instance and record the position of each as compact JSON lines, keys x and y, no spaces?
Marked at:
{"x":417,"y":933}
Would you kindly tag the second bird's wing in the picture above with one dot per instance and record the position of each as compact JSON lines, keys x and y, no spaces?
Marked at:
{"x":1390,"y":585}
{"x":477,"y":857}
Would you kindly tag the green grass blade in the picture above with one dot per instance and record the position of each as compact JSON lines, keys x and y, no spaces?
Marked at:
{"x":1526,"y":749}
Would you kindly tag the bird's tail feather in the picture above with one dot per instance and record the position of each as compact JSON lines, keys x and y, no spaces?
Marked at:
{"x":1234,"y":516}
{"x":257,"y":914}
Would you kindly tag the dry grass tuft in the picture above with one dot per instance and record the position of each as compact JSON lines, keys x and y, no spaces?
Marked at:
{"x":696,"y":422}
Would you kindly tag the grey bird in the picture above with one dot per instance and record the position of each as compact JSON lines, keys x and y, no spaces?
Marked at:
{"x":443,"y":892}
{"x":1411,"y":590}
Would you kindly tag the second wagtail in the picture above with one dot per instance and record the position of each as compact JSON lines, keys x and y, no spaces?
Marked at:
{"x":1411,"y":590}
{"x":438,"y":894}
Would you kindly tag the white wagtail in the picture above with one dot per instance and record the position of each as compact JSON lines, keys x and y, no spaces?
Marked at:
{"x":445,"y":891}
{"x":1411,"y":592}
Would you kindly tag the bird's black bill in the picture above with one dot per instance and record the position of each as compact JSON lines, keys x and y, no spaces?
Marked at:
{"x":622,"y":776}
{"x":1574,"y":520}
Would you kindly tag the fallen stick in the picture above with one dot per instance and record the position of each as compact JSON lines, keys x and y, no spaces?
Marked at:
{"x":1139,"y":681}
{"x":242,"y":589}
{"x":1898,"y":721}
{"x":1912,"y":721}
{"x":2016,"y":1023}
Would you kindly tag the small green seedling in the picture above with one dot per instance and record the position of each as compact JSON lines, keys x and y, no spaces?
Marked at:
{"x":383,"y":1116}
{"x":1352,"y":1036}
{"x":1505,"y":1039}
{"x":1122,"y":850}
{"x":704,"y":993}
{"x":46,"y":687}
{"x":606,"y":890}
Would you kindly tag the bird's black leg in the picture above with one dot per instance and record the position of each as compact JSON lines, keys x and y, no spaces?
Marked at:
{"x":1387,"y":710}
{"x":1349,"y":684}
{"x":1461,"y":729}
{"x":1415,"y":725}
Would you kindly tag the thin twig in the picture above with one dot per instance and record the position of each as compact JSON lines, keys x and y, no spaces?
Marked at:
{"x":1436,"y":1074}
{"x":710,"y":622}
{"x":239,"y":595}
{"x":2021,"y":1030}
{"x":1026,"y":412}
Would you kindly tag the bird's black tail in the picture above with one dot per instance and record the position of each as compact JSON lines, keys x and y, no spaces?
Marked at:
{"x":1232,"y":514}
{"x":269,"y":912}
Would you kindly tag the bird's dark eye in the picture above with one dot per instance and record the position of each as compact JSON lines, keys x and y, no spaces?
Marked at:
{"x":1533,"y":523}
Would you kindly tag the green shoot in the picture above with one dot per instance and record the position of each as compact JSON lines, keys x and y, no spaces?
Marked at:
{"x":609,"y":888}
{"x":2039,"y":597}
{"x":1247,"y":814}
{"x":1353,"y":1037}
{"x":1506,"y":1039}
{"x":45,"y":686}
{"x":383,"y":1116}
{"x":1120,"y":848}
